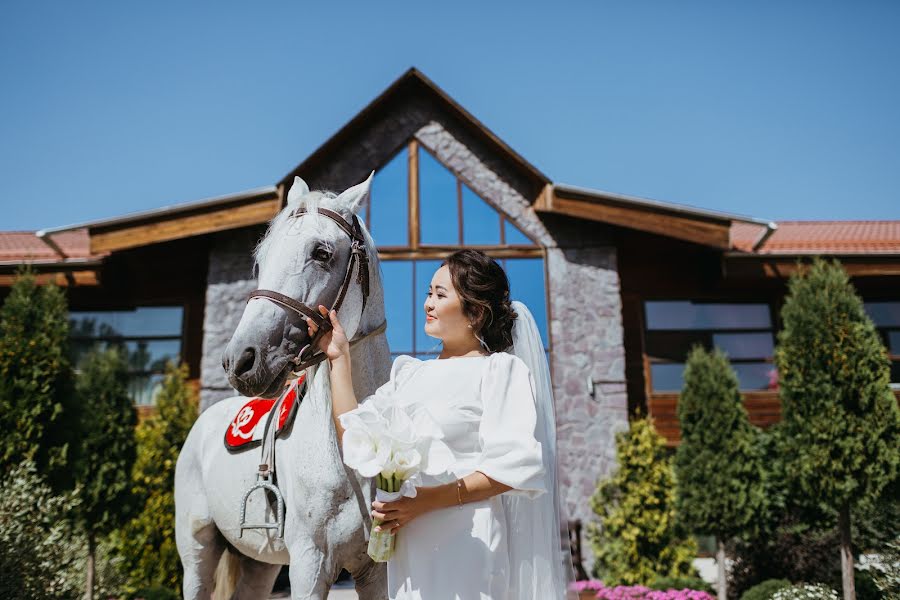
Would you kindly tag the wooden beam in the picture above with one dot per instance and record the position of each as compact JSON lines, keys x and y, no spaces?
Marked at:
{"x":437,"y":253}
{"x":697,"y":230}
{"x":177,"y":227}
{"x":413,"y":182}
{"x":544,"y":201}
{"x":61,"y":278}
{"x":782,"y":267}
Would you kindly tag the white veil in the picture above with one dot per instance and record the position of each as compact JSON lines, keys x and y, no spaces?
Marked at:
{"x":540,"y":556}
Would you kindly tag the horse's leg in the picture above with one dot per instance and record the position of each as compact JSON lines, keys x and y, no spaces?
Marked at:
{"x":199,"y":543}
{"x":199,"y":557}
{"x":309,"y":577}
{"x":257,"y":579}
{"x":371,"y":580}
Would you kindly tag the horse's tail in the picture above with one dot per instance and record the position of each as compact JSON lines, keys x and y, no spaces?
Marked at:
{"x":227,"y":573}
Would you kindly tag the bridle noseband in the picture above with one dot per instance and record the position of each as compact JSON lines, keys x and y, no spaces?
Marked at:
{"x":358,"y":256}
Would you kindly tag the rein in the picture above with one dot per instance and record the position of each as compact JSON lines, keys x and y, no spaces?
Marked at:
{"x":307,"y":356}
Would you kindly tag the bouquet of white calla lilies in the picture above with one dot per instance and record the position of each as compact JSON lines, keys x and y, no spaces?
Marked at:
{"x":383,"y":441}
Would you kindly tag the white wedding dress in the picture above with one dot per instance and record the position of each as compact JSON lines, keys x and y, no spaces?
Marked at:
{"x":486,"y":409}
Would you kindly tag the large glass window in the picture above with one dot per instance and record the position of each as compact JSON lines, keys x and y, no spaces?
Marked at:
{"x":149,"y":335}
{"x":742,"y":330}
{"x":387,"y":215}
{"x":406,"y":286}
{"x":886,"y":316}
{"x":414,"y":192}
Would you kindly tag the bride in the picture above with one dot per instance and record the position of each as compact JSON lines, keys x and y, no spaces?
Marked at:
{"x":488,"y":528}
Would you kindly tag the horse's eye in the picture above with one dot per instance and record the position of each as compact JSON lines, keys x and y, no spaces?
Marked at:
{"x":321,"y":254}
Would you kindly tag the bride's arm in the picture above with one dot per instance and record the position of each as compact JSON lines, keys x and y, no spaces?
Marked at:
{"x":343,"y":398}
{"x":336,"y":347}
{"x":471,"y":488}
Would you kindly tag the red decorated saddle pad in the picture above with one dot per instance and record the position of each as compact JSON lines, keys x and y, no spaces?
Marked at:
{"x":246,"y":428}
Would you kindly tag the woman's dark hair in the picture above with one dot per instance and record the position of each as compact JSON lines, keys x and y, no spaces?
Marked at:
{"x":483,"y":289}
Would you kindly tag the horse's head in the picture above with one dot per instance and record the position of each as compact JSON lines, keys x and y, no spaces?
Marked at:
{"x":305,"y":258}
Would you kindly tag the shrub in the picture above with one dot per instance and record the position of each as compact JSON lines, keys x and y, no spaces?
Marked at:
{"x":637,"y":538}
{"x":765,"y":590}
{"x":841,"y":422}
{"x":147,"y":542}
{"x":36,"y":553}
{"x":866,"y":588}
{"x":37,"y":403}
{"x":806,"y":591}
{"x":155,"y":593}
{"x":719,"y":461}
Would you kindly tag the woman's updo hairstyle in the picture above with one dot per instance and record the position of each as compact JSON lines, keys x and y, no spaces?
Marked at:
{"x":483,"y":289}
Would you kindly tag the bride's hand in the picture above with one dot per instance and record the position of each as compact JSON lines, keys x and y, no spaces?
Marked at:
{"x":334,"y":343}
{"x":398,"y":513}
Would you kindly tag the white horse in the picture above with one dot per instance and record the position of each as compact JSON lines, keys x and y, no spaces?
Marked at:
{"x":327,"y":504}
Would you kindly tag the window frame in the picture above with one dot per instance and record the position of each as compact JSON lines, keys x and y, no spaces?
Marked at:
{"x":414,"y":212}
{"x":648,"y":361}
{"x":180,"y":337}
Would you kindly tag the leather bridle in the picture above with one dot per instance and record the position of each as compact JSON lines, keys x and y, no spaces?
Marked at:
{"x":358,"y":256}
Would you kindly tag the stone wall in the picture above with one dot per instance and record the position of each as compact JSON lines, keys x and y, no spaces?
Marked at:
{"x":229,"y":281}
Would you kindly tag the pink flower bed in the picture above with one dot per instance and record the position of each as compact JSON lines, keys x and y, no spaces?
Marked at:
{"x":636,"y":592}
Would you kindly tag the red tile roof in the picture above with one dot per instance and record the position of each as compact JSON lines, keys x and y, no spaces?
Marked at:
{"x":820,"y":237}
{"x":26,"y":246}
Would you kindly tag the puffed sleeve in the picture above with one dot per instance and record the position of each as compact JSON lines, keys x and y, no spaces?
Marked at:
{"x":510,"y":453}
{"x":402,"y":367}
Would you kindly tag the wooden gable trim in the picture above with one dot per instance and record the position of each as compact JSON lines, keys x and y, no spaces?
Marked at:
{"x":782,"y":267}
{"x":167,"y":227}
{"x":83,"y":277}
{"x":708,"y":231}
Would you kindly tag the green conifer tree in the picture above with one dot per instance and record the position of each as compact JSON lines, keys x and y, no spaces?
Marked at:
{"x":107,"y":449}
{"x":147,"y":542}
{"x":719,"y":461}
{"x":841,"y":423}
{"x":37,"y":404}
{"x":637,"y":539}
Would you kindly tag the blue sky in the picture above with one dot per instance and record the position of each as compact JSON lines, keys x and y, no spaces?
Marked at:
{"x":779,"y":110}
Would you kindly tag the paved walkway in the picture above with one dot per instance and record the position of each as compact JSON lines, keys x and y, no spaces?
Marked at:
{"x":334,"y":594}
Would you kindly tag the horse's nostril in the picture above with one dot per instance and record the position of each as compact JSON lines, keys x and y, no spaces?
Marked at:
{"x":245,"y":362}
{"x":225,"y":362}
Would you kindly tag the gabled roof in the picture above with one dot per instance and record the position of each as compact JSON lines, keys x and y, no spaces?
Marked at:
{"x":688,"y":223}
{"x":412,"y":83}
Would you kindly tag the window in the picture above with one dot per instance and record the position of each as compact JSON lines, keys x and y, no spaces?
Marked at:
{"x":149,"y":335}
{"x":387,"y":214}
{"x":420,"y":211}
{"x":886,"y":316}
{"x":741,"y":330}
{"x":449,"y":213}
{"x":406,"y":285}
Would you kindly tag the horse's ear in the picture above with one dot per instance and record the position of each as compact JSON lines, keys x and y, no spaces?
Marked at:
{"x":354,"y":198}
{"x":297,"y":191}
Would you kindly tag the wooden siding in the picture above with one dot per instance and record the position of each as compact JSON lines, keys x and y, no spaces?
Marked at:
{"x":763,"y":409}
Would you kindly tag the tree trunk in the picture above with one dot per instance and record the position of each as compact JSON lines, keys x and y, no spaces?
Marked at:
{"x":846,"y":553}
{"x":722,"y":582}
{"x":89,"y":579}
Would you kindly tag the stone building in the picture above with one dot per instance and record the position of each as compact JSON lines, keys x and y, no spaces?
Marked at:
{"x":622,"y":286}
